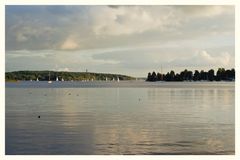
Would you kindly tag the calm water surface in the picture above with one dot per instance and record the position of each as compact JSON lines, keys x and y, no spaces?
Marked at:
{"x":120,"y":118}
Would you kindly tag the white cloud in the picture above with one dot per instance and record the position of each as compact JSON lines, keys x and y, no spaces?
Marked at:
{"x":203,"y":59}
{"x":27,"y":53}
{"x":62,"y":69}
{"x":120,"y":38}
{"x":222,"y":59}
{"x":21,"y":37}
{"x":69,"y":44}
{"x":206,"y":11}
{"x":126,"y":20}
{"x":139,"y":60}
{"x":24,"y":32}
{"x":130,"y":20}
{"x":103,"y":26}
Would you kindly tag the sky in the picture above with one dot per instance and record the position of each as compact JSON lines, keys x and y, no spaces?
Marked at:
{"x":131,"y":40}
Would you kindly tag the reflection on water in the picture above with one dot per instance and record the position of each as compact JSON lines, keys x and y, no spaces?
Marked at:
{"x":162,"y":120}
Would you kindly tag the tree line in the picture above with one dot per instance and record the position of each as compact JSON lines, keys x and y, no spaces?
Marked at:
{"x":67,"y":76}
{"x":186,"y":75}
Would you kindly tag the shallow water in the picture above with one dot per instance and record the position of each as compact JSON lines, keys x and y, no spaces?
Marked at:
{"x":120,"y":118}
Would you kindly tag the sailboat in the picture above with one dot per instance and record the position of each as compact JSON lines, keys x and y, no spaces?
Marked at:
{"x":106,"y":79}
{"x":62,"y":80}
{"x":57,"y":79}
{"x":118,"y":79}
{"x":37,"y":80}
{"x":49,"y":81}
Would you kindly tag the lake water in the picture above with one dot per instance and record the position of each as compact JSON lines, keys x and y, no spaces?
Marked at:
{"x":84,"y":118}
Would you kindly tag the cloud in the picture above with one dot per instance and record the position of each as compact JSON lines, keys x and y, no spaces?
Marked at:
{"x":203,"y":59}
{"x":21,"y":37}
{"x":119,"y":38}
{"x":62,"y":69}
{"x":57,"y":60}
{"x":133,"y":61}
{"x":51,"y":27}
{"x":127,"y":20}
{"x":69,"y":44}
{"x":206,"y":11}
{"x":28,"y":53}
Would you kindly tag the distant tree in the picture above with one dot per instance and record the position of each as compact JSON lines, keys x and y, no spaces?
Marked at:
{"x":196,"y":76}
{"x":185,"y":74}
{"x":159,"y":76}
{"x":189,"y":76}
{"x":203,"y":75}
{"x":167,"y":77}
{"x":44,"y":75}
{"x":149,"y":77}
{"x":177,"y":77}
{"x":211,"y":75}
{"x":171,"y":75}
{"x":221,"y":74}
{"x":163,"y":77}
{"x":232,"y":75}
{"x":154,"y":76}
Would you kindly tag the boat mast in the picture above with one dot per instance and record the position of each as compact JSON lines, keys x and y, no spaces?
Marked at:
{"x":161,"y":74}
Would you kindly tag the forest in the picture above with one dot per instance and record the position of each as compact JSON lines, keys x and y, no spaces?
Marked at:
{"x":221,"y":75}
{"x":67,"y":76}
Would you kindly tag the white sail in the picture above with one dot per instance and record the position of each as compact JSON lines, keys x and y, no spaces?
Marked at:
{"x":57,"y":79}
{"x":37,"y":79}
{"x":49,"y":81}
{"x":62,"y":80}
{"x":118,"y":79}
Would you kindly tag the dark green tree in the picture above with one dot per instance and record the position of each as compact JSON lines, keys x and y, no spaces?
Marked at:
{"x":211,"y":75}
{"x":196,"y":76}
{"x":220,"y":74}
{"x":171,"y":75}
{"x":159,"y":77}
{"x":154,"y":76}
